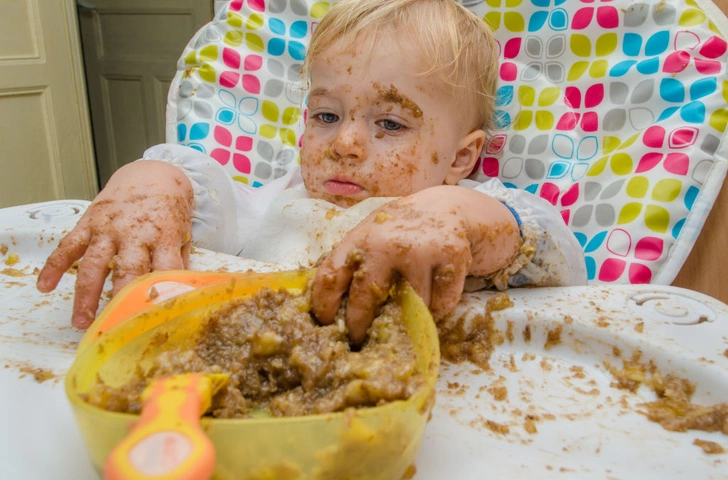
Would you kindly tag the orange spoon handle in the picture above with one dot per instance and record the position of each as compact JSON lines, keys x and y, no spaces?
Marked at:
{"x":168,"y":443}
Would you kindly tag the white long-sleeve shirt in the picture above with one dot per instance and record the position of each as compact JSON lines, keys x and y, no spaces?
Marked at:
{"x":280,"y":223}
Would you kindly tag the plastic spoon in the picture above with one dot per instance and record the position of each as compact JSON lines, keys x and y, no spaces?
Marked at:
{"x":168,"y":442}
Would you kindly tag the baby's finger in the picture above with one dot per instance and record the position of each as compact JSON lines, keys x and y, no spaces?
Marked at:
{"x":332,"y":280}
{"x":186,"y":248}
{"x":368,"y":291}
{"x":92,"y":272}
{"x":185,"y":252}
{"x":70,"y":249}
{"x":421,"y":282}
{"x":132,"y":261}
{"x":167,"y":257}
{"x":447,"y":287}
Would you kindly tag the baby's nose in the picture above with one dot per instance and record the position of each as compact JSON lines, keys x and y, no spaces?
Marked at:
{"x":350,"y":140}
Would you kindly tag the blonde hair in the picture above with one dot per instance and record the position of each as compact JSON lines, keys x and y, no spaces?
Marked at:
{"x":457,"y":45}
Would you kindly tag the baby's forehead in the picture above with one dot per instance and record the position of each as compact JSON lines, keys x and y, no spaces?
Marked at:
{"x":395,"y":43}
{"x":382,"y":74}
{"x":374,"y":92}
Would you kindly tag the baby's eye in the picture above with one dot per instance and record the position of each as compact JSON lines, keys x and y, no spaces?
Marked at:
{"x":327,"y":117}
{"x":390,"y":125}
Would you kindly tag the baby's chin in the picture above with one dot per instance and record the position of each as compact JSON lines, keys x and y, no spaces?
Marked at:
{"x":344,"y":201}
{"x":339,"y":200}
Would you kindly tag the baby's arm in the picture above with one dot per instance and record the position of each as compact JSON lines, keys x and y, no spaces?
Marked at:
{"x":434,"y":239}
{"x":139,"y":222}
{"x":549,"y":255}
{"x":146,"y":217}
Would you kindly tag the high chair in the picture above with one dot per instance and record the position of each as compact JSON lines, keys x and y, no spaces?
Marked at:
{"x":613,"y":111}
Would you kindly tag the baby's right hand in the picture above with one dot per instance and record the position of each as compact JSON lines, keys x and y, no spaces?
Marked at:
{"x":139,"y":223}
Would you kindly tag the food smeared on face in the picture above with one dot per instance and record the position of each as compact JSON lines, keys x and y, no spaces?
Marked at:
{"x":376,"y":126}
{"x":391,"y":94}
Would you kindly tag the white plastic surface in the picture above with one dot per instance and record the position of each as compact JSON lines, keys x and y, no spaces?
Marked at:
{"x":585,"y":427}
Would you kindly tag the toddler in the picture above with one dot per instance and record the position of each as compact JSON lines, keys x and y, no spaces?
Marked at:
{"x":400,"y":103}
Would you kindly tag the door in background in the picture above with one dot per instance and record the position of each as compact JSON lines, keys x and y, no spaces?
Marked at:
{"x":45,"y":137}
{"x":131,"y":48}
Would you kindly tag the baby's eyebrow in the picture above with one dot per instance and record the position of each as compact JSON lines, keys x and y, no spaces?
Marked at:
{"x":319,"y":92}
{"x":392,"y":95}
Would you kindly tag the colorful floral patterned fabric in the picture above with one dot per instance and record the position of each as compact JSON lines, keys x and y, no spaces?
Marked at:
{"x":613,"y":111}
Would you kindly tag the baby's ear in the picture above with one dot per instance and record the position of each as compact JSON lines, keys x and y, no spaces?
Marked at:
{"x":467,"y":154}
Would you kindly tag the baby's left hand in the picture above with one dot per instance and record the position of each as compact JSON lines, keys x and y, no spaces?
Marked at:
{"x":433,"y":239}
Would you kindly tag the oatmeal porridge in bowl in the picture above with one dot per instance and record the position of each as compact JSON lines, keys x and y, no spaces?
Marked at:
{"x":294,"y":399}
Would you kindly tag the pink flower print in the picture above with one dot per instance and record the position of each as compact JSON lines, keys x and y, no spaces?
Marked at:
{"x":706,"y":55}
{"x":588,"y":120}
{"x":512,"y":47}
{"x":255,"y":5}
{"x":251,"y":63}
{"x":496,"y":144}
{"x":649,"y":249}
{"x":676,"y":163}
{"x":489,"y":161}
{"x":509,"y":70}
{"x":224,"y":137}
{"x":655,"y":138}
{"x":639,"y":274}
{"x":551,"y":193}
{"x":714,"y":47}
{"x":606,"y":16}
{"x":626,"y":257}
{"x":613,"y":268}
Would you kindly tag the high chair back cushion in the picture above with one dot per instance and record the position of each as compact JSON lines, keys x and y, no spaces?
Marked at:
{"x":613,"y":111}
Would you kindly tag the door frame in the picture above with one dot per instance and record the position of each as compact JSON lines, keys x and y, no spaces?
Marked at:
{"x":88,"y":157}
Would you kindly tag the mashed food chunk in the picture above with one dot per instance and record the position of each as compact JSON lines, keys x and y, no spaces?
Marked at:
{"x":281,"y":362}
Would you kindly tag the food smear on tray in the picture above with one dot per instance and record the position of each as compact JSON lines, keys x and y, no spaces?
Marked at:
{"x":475,"y":341}
{"x":474,"y":338}
{"x":673,"y":409}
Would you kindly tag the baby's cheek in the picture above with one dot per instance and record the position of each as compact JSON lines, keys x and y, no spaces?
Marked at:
{"x":309,"y":140}
{"x":312,"y":153}
{"x":400,"y":172}
{"x":309,"y":181}
{"x":376,"y":191}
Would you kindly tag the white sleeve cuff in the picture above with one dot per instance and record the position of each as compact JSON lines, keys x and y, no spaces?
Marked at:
{"x":214,"y":218}
{"x":558,"y":259}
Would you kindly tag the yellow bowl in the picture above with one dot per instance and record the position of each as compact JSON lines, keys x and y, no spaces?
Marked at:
{"x":370,"y":443}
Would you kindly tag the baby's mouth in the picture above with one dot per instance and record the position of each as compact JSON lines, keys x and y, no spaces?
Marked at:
{"x":342,"y":187}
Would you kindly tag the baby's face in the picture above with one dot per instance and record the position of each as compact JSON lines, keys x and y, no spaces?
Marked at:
{"x":376,"y":128}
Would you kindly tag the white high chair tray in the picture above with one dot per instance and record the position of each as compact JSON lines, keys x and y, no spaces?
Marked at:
{"x":584,"y":427}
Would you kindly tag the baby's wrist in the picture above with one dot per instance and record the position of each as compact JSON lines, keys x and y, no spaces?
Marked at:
{"x":152,"y":177}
